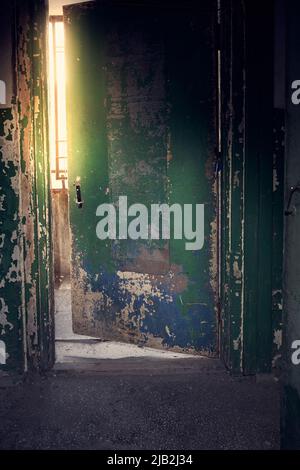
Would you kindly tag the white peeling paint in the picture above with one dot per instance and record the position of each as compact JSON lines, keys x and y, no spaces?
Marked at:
{"x":2,"y":353}
{"x":139,"y":284}
{"x":9,"y":152}
{"x":2,"y":238}
{"x":167,"y":329}
{"x":13,"y":274}
{"x":277,"y":338}
{"x":2,"y":198}
{"x":237,"y":271}
{"x":236,"y":179}
{"x":13,"y":236}
{"x":236,"y":343}
{"x":3,"y":316}
{"x":275,"y":180}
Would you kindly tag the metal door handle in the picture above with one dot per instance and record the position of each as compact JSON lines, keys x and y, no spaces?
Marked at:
{"x":293,"y":190}
{"x":78,"y":200}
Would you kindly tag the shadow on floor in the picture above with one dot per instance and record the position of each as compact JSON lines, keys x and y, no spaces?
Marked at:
{"x":140,"y":403}
{"x":104,"y":395}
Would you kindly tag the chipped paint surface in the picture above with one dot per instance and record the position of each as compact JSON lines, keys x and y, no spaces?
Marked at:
{"x":237,"y":272}
{"x":277,"y":340}
{"x":276,"y":183}
{"x":233,"y":192}
{"x":277,"y":246}
{"x":10,"y":266}
{"x":153,"y":140}
{"x":4,"y":317}
{"x":3,"y":353}
{"x":237,"y":343}
{"x":24,"y":320}
{"x":252,"y":211}
{"x":291,"y":301}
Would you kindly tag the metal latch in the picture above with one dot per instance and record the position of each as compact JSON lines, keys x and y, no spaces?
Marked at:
{"x":293,"y":190}
{"x":78,"y":199}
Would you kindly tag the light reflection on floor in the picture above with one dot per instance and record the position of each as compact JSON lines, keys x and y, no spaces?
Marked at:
{"x":71,"y":347}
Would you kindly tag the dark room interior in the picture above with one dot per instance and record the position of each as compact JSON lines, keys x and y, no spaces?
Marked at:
{"x":149,"y":225}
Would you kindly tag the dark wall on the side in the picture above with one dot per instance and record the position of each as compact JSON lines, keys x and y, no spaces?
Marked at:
{"x":291,"y":377}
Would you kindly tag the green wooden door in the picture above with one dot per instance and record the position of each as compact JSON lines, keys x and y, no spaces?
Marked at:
{"x":141,"y":124}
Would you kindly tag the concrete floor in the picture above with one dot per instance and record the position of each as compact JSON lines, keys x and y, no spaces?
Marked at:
{"x":140,"y":403}
{"x":72,"y":347}
{"x":105,"y":395}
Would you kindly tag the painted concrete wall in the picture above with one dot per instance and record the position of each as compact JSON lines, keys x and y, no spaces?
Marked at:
{"x":291,"y":379}
{"x":26,"y":325}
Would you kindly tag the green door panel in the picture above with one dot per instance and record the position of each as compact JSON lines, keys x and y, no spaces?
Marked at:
{"x":141,"y":124}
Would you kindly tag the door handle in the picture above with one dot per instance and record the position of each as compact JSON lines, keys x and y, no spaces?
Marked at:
{"x":293,"y":190}
{"x":78,"y":199}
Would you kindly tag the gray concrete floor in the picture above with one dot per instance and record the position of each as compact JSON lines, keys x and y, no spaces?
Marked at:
{"x":140,"y":403}
{"x":105,"y":395}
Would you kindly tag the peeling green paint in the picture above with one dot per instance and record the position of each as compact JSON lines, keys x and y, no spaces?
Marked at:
{"x":10,"y":276}
{"x":146,"y":130}
{"x":251,"y":212}
{"x":26,"y":270}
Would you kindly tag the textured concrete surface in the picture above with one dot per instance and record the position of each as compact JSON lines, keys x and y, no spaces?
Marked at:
{"x":108,"y":395}
{"x":71,"y":347}
{"x":63,"y":312}
{"x":140,"y":403}
{"x":70,"y":351}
